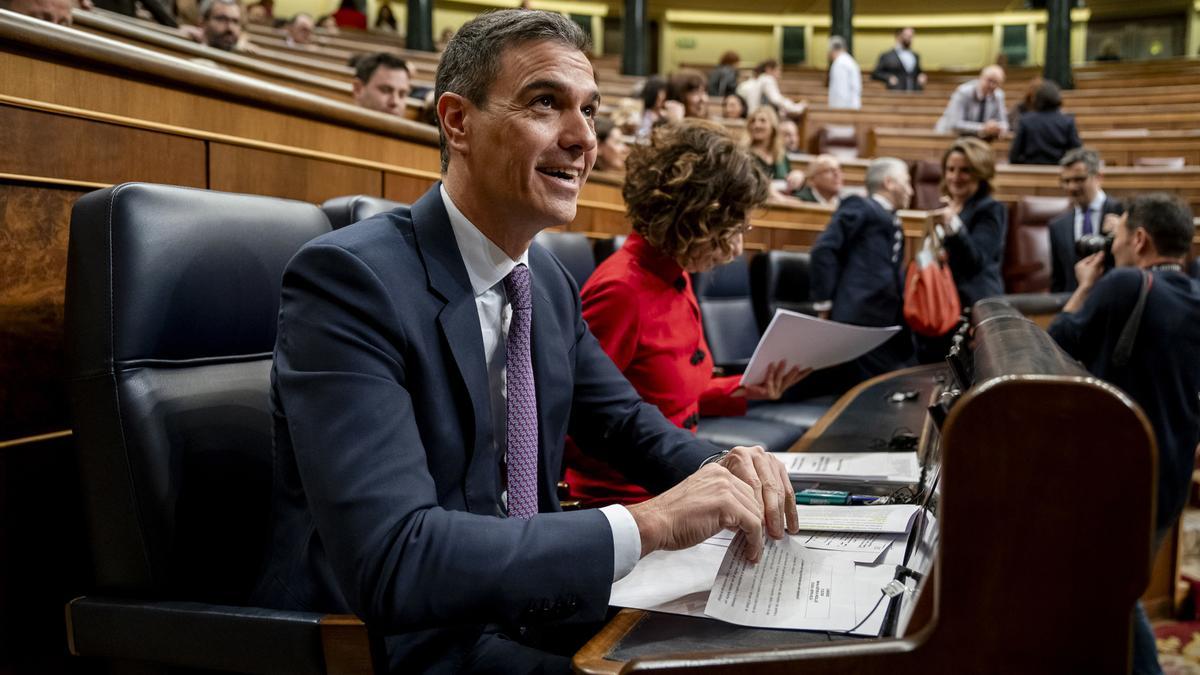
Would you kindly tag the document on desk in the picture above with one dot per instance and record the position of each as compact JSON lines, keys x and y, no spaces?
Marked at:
{"x":791,"y":586}
{"x":862,"y":547}
{"x":895,"y":467}
{"x":675,"y":582}
{"x":809,"y":342}
{"x":891,"y":519}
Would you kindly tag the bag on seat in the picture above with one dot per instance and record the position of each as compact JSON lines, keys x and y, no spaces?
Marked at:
{"x":931,"y":304}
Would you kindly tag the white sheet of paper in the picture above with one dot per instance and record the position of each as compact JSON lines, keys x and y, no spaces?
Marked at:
{"x":809,"y":342}
{"x":921,"y":561}
{"x":891,"y":518}
{"x":863,"y":547}
{"x":675,"y":582}
{"x":869,"y":581}
{"x":790,"y":587}
{"x":889,"y":466}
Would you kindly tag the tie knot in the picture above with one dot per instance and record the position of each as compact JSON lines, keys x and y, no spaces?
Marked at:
{"x":516,"y":284}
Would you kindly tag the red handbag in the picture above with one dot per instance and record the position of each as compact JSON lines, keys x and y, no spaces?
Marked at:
{"x":931,"y":305}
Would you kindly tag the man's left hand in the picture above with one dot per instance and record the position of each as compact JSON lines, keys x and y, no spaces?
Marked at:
{"x":768,"y":478}
{"x":795,"y":180}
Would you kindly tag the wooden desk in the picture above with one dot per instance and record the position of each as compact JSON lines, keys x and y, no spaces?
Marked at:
{"x":1014,"y":588}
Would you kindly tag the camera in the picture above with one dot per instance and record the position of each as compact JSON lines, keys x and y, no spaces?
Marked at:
{"x":1096,"y":243}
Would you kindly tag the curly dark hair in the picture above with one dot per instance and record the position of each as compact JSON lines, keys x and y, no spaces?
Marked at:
{"x":691,"y":190}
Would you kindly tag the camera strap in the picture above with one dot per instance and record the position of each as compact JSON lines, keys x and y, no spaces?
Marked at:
{"x":1124,"y":348}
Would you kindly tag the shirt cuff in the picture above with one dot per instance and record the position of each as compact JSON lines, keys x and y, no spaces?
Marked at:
{"x":627,"y":540}
{"x":823,"y":306}
{"x":956,"y":224}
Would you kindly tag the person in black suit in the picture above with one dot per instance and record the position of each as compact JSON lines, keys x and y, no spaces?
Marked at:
{"x":1044,"y":134}
{"x":856,"y":268}
{"x":972,"y":225}
{"x":900,"y":67}
{"x":1090,"y":208}
{"x":429,"y":364}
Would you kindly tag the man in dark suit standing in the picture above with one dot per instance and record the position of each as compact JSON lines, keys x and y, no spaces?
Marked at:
{"x":900,"y":67}
{"x":430,"y":362}
{"x":1090,"y":206}
{"x":857,"y":261}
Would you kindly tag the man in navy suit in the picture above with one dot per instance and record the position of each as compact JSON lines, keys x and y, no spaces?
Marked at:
{"x":857,"y":275}
{"x":1079,"y":171}
{"x":428,"y":366}
{"x":900,"y":67}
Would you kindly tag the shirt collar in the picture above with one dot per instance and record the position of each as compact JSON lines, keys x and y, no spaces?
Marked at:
{"x":652,"y":259}
{"x":487,"y":264}
{"x":884,"y":202}
{"x":1097,"y":203}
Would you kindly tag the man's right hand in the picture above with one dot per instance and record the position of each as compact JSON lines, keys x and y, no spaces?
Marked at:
{"x":708,"y":501}
{"x":893,"y":80}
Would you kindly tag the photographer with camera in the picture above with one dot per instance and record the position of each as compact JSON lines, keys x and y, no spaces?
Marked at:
{"x":1090,"y":206}
{"x":1138,"y":327}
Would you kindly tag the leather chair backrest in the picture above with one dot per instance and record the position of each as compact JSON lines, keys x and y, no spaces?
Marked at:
{"x":171,"y":307}
{"x":573,"y":250}
{"x":606,"y":247}
{"x":727,"y":312}
{"x":780,"y":280}
{"x":343,"y":211}
{"x":1027,"y":260}
{"x":839,"y":140}
{"x":926,"y":180}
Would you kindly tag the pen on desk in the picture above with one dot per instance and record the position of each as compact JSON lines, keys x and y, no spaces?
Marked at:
{"x":835,"y":497}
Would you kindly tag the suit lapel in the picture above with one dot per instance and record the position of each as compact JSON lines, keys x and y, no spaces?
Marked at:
{"x":459,"y":325}
{"x":545,"y":339}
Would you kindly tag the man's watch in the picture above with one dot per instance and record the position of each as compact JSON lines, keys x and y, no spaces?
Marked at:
{"x":714,"y":458}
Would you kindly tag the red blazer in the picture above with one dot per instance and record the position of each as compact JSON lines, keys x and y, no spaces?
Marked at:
{"x":640,"y":306}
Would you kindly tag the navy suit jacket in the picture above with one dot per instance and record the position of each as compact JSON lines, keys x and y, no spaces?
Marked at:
{"x":889,"y":64}
{"x":1062,"y":245}
{"x":387,"y":483}
{"x":852,"y":265}
{"x":1043,"y":138}
{"x":976,"y":251}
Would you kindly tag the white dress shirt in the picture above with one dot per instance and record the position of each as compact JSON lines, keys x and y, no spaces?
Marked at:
{"x":1096,"y":207}
{"x":845,"y":83}
{"x":764,"y":89}
{"x":487,"y":266}
{"x":907,"y":58}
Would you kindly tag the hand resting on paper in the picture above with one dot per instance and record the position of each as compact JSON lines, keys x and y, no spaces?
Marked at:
{"x":777,"y":380}
{"x":741,"y":492}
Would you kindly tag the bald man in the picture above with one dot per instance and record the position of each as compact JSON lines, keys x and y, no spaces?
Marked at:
{"x":824,"y":181}
{"x":977,"y":107}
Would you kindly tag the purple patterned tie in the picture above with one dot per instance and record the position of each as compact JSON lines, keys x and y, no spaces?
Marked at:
{"x":522,"y":400}
{"x":1087,"y":222}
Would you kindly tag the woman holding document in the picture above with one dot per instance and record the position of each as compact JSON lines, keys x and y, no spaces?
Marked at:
{"x":689,"y":194}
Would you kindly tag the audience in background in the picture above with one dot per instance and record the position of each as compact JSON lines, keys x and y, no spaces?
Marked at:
{"x":54,"y":11}
{"x":766,"y":148}
{"x":977,"y":107}
{"x":327,"y":23}
{"x":900,"y":67}
{"x":350,"y":16}
{"x":857,"y":274}
{"x":733,"y":107}
{"x":1109,"y":51}
{"x":654,"y":99}
{"x":257,"y":14}
{"x":155,"y":8}
{"x":611,"y":149}
{"x":972,"y":226}
{"x":763,"y":89}
{"x":381,"y":83}
{"x":220,"y":25}
{"x":627,"y":116}
{"x":687,"y":87}
{"x":789,"y":131}
{"x":1025,"y":104}
{"x":1045,"y":134}
{"x":300,"y":31}
{"x":1080,"y":175}
{"x":845,"y":77}
{"x":823,"y":181}
{"x":639,"y":302}
{"x":385,"y":19}
{"x":723,"y":79}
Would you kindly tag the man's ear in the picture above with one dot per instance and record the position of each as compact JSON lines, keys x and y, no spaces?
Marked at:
{"x":452,"y":112}
{"x":356,"y":88}
{"x":1142,"y":243}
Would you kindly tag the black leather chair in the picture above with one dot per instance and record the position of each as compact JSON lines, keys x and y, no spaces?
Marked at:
{"x":171,"y":305}
{"x":573,"y":250}
{"x":606,"y":247}
{"x":343,"y":211}
{"x":780,"y":280}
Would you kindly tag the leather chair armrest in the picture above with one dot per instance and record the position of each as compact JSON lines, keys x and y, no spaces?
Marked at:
{"x":1032,"y":304}
{"x":220,"y":637}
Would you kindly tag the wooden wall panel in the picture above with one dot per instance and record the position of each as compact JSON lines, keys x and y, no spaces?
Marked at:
{"x":405,"y":188}
{"x":58,"y":146}
{"x":237,"y":169}
{"x":34,"y":223}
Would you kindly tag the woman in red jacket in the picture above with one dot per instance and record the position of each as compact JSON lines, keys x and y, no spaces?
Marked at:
{"x":688,"y":195}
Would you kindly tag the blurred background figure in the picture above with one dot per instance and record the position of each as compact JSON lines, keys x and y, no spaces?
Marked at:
{"x":300,"y":31}
{"x":763,"y":89}
{"x":845,"y":77}
{"x":1045,"y":134}
{"x":790,"y":133}
{"x":723,"y":79}
{"x":327,"y":23}
{"x":381,"y":83}
{"x":385,"y":19}
{"x":687,"y":87}
{"x":823,"y":183}
{"x":900,"y":67}
{"x":654,"y":98}
{"x":766,"y":148}
{"x":733,"y":107}
{"x":977,"y":107}
{"x":611,"y":149}
{"x":350,"y":16}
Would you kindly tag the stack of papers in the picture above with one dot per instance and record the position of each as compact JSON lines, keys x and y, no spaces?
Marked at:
{"x":808,"y":342}
{"x":851,"y":467}
{"x":827,"y":577}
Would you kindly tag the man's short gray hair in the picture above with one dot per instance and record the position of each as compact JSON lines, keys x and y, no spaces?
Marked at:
{"x":206,"y":7}
{"x":837,"y":43}
{"x":1090,"y":159}
{"x":472,"y":58}
{"x":880,"y":169}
